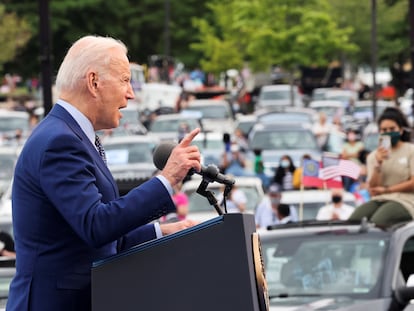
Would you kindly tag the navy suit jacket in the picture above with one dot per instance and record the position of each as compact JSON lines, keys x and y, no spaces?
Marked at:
{"x":67,"y":213}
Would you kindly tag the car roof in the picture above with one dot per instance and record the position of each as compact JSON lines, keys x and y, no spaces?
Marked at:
{"x":130,"y":139}
{"x":312,"y":196}
{"x":277,"y":87}
{"x":194,"y":182}
{"x":325,"y":103}
{"x":318,"y":226}
{"x":283,"y":126}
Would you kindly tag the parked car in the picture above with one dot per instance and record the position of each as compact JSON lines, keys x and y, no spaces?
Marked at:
{"x":331,"y":108}
{"x":344,"y":96}
{"x":10,"y":121}
{"x":8,"y":158}
{"x":319,"y":93}
{"x":277,"y":115}
{"x":277,"y":139}
{"x":339,"y":266}
{"x":370,"y":136}
{"x":406,"y":103}
{"x":216,"y":114}
{"x":6,"y":275}
{"x":277,"y":95}
{"x":307,"y":202}
{"x":167,"y":126}
{"x":211,"y":147}
{"x":201,"y":210}
{"x":363,"y":109}
{"x":245,"y":122}
{"x":6,"y":224}
{"x":130,"y":159}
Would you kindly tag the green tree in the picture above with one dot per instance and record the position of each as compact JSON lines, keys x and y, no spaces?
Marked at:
{"x":268,"y":32}
{"x":14,"y":33}
{"x":138,"y":23}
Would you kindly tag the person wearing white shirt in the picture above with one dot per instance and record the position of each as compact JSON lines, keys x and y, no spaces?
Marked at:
{"x":337,"y":210}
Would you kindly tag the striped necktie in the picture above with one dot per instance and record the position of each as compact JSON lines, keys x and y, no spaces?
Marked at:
{"x":100,"y":148}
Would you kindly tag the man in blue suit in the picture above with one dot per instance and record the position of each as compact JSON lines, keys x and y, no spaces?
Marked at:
{"x":67,"y":212}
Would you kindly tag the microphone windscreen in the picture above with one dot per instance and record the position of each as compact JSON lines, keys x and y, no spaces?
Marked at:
{"x":161,"y":154}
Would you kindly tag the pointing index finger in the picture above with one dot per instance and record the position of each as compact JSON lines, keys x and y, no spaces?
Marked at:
{"x":186,"y":141}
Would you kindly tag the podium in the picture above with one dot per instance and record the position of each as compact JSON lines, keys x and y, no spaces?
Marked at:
{"x":215,"y":265}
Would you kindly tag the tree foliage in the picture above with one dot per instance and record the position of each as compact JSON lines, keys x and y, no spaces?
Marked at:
{"x":14,"y":34}
{"x":268,"y":32}
{"x":140,"y":24}
{"x":215,"y":34}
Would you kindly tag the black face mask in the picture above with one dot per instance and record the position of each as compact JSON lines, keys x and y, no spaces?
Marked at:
{"x":336,"y":198}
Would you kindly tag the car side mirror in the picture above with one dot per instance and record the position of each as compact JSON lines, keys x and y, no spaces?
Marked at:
{"x":404,"y":294}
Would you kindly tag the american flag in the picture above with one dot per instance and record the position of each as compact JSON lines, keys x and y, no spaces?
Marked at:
{"x":343,"y":168}
{"x":311,"y":176}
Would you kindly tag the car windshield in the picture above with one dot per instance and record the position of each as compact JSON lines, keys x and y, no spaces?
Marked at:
{"x":209,"y":144}
{"x":275,"y":95}
{"x":6,"y":166}
{"x":286,"y":117}
{"x":309,"y":210}
{"x":172,"y":125}
{"x":330,"y":111}
{"x":10,"y":123}
{"x":199,"y":203}
{"x":323,"y":263}
{"x":283,"y":140}
{"x":212,"y":111}
{"x":371,"y":141}
{"x":129,"y":153}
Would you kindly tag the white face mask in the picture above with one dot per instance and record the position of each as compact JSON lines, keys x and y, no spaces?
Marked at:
{"x":285,"y":163}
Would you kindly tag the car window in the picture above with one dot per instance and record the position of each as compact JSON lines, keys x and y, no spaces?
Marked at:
{"x":198,"y":203}
{"x":6,"y":166}
{"x":279,"y":140}
{"x":279,"y":94}
{"x":172,"y":125}
{"x":129,"y":153}
{"x":9,"y":123}
{"x":370,"y":141}
{"x":323,"y":264}
{"x":286,"y":117}
{"x":212,"y":111}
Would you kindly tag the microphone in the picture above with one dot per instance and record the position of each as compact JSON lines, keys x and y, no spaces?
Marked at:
{"x":211,"y":173}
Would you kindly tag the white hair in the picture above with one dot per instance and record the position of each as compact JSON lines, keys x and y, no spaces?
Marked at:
{"x":86,"y":53}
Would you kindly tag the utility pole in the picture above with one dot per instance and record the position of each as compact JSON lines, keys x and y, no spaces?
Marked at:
{"x":45,"y":55}
{"x":374,"y":49}
{"x":411,"y":14}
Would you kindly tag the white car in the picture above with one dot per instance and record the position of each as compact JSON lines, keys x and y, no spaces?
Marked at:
{"x":279,"y":95}
{"x":216,"y":114}
{"x":308,"y":202}
{"x":201,"y":210}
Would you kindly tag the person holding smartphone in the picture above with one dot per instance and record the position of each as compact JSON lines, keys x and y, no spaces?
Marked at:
{"x":390,"y":173}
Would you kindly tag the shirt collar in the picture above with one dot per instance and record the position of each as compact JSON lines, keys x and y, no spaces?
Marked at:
{"x":80,"y":118}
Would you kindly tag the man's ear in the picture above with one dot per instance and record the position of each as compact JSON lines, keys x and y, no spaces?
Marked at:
{"x":92,"y":82}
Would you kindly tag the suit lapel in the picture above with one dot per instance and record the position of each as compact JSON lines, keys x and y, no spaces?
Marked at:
{"x":61,"y":113}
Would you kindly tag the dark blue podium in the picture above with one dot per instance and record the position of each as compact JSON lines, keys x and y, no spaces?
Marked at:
{"x":215,"y":265}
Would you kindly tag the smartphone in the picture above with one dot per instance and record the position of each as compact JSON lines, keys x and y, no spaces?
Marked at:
{"x":385,"y":141}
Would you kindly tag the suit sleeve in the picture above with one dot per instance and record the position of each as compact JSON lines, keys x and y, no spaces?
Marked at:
{"x":85,"y":196}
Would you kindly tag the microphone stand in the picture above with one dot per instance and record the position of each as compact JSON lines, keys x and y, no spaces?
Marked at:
{"x":226,"y":192}
{"x":202,"y":190}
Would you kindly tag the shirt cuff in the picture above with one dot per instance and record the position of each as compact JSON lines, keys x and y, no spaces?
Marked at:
{"x":166,"y":184}
{"x":157,"y":229}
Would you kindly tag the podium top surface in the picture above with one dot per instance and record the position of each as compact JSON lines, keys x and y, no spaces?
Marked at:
{"x":140,"y":247}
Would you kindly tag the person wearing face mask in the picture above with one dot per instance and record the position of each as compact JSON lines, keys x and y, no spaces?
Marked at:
{"x":284,"y":173}
{"x":337,"y":210}
{"x":350,"y":151}
{"x":390,"y":174}
{"x":266,"y":213}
